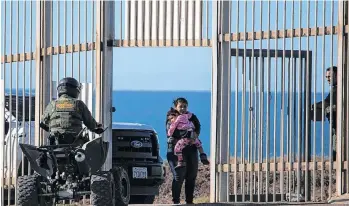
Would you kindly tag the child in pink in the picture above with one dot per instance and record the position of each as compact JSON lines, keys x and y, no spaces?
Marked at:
{"x":181,"y":122}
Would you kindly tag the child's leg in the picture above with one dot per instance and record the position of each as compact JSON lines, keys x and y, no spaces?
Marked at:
{"x":178,"y":151}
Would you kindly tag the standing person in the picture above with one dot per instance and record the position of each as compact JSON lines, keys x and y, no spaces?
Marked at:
{"x":190,"y":155}
{"x":317,"y":107}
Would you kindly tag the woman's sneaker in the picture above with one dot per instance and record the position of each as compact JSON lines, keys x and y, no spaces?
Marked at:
{"x":203,"y":158}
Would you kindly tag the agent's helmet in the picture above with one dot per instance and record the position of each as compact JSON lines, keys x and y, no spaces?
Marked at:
{"x":69,"y":86}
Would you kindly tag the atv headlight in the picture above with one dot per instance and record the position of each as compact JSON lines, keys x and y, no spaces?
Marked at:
{"x":79,"y":156}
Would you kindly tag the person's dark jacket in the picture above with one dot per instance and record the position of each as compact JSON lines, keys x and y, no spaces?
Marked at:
{"x":327,"y":103}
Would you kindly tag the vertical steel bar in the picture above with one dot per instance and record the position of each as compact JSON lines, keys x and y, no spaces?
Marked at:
{"x":299,"y":127}
{"x":346,"y":22}
{"x":249,"y":125}
{"x":275,"y":103}
{"x":42,"y":96}
{"x":121,"y":21}
{"x":105,"y":32}
{"x":162,"y":22}
{"x":268,"y":112}
{"x":72,"y":38}
{"x":8,"y":144}
{"x":214,"y":105}
{"x":260,"y":107}
{"x":2,"y":113}
{"x":255,"y":118}
{"x":198,"y":22}
{"x":183,"y":22}
{"x":51,"y":56}
{"x":292,"y":75}
{"x":250,"y":101}
{"x":127,"y":22}
{"x":294,"y":119}
{"x":229,"y":97}
{"x":236,"y":103}
{"x":147,"y":21}
{"x":283,"y":89}
{"x":176,"y":20}
{"x":14,"y":173}
{"x":30,"y":78}
{"x":314,"y":126}
{"x":323,"y":112}
{"x":207,"y":15}
{"x":307,"y":106}
{"x":154,"y":23}
{"x":58,"y":40}
{"x":65,"y":38}
{"x":338,"y":102}
{"x":79,"y":49}
{"x":133,"y":22}
{"x":93,"y":56}
{"x":93,"y":39}
{"x":224,"y":106}
{"x":87,"y":40}
{"x":252,"y":106}
{"x":288,"y":125}
{"x":169,"y":23}
{"x":23,"y":95}
{"x":43,"y":47}
{"x":331,"y":118}
{"x":191,"y":19}
{"x":140,"y":21}
{"x":243,"y":113}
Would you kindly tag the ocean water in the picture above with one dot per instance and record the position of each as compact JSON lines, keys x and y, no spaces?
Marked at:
{"x":150,"y":108}
{"x":249,"y":126}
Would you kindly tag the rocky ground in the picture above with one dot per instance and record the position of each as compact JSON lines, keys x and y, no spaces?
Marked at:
{"x":202,"y":189}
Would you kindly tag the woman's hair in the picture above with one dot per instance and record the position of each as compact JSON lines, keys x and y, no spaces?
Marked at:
{"x":180,"y":100}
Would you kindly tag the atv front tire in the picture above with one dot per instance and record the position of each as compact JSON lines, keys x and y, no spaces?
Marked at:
{"x":27,"y":192}
{"x":122,"y":186}
{"x":102,"y":189}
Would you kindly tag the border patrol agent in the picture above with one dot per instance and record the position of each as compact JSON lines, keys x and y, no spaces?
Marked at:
{"x":63,"y":117}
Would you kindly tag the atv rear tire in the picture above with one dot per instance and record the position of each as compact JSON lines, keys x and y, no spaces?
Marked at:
{"x":122,"y":186}
{"x":27,"y":192}
{"x":102,"y":189}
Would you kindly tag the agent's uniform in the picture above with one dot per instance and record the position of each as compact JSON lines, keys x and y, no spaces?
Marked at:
{"x":64,"y":117}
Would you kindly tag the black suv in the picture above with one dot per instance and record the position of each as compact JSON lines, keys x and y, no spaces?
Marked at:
{"x":135,"y":147}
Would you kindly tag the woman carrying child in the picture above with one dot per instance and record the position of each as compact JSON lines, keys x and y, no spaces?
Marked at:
{"x":189,"y":153}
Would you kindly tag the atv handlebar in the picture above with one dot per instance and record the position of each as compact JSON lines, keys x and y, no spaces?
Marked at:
{"x":99,"y":130}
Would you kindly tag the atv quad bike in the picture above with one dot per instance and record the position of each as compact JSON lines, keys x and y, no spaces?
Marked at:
{"x":70,"y":171}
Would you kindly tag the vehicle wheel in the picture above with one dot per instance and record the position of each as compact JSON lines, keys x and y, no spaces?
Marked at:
{"x":28,"y":191}
{"x":142,"y":199}
{"x":102,"y":189}
{"x":122,"y":186}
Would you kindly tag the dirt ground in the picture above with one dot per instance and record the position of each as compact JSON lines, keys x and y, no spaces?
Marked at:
{"x":202,"y":189}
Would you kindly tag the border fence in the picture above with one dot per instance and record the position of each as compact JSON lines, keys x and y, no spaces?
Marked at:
{"x":269,"y":61}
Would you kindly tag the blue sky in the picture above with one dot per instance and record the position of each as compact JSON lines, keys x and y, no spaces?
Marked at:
{"x":165,"y":68}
